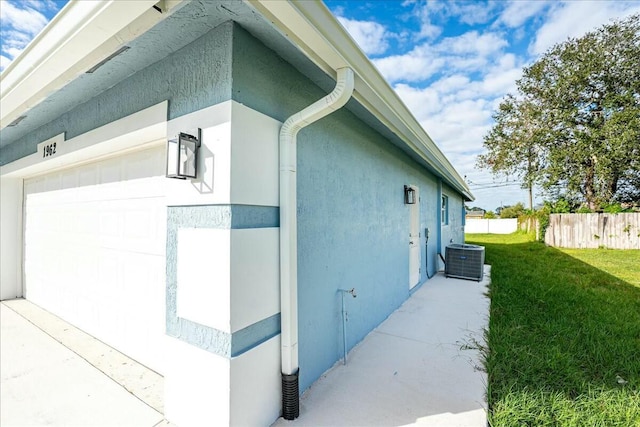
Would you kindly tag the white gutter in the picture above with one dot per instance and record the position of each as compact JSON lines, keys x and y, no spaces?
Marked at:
{"x":289,"y":232}
{"x":80,"y":36}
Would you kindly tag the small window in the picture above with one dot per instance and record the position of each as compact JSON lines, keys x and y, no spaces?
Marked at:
{"x":444,"y":216}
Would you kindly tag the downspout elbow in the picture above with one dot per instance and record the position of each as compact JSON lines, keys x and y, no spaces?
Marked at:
{"x":334,"y":101}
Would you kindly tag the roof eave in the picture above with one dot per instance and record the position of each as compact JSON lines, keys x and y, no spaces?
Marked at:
{"x":311,"y":26}
{"x":79,"y":37}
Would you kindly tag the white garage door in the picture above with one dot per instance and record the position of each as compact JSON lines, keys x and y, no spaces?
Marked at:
{"x":95,"y":239}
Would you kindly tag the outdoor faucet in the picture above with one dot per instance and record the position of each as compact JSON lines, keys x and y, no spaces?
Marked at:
{"x":351,"y":291}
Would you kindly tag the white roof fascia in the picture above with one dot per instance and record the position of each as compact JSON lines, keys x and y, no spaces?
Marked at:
{"x":81,"y":35}
{"x":311,"y":26}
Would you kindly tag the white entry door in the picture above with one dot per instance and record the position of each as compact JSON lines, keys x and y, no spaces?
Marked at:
{"x":414,"y":241}
{"x":94,"y":255}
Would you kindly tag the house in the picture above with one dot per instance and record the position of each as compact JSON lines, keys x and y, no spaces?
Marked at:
{"x":475,"y":214}
{"x":312,"y":176}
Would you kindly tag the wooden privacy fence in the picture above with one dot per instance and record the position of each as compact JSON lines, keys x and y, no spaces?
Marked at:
{"x":614,"y":231}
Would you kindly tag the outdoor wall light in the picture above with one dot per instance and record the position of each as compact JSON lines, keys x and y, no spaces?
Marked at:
{"x":409,"y":195}
{"x":182,"y":156}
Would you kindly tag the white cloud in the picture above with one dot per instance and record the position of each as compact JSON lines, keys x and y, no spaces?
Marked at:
{"x":371,"y":36}
{"x":574,"y":19}
{"x":40,"y":4}
{"x":428,"y":30}
{"x":501,"y":78}
{"x":473,"y":12}
{"x":460,"y":125}
{"x":450,"y":84}
{"x":467,"y":12}
{"x":12,"y":39}
{"x":26,"y":20}
{"x":418,"y":65}
{"x":518,"y":12}
{"x":473,"y":43}
{"x":469,"y":52}
{"x":20,"y":22}
{"x":423,"y":103}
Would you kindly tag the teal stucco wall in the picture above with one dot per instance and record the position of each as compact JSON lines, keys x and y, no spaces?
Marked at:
{"x":353,"y":225}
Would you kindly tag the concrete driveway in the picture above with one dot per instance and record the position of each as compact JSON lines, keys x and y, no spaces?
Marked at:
{"x":46,"y":383}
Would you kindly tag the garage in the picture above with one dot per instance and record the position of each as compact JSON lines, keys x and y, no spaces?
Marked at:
{"x":94,"y":249}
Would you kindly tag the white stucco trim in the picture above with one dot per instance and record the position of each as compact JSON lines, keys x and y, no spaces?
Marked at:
{"x":11,"y":242}
{"x":197,"y":385}
{"x":136,"y":131}
{"x":204,"y":277}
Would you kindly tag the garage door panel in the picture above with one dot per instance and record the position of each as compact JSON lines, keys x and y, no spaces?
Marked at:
{"x":52,"y":182}
{"x":88,"y":219}
{"x":95,"y":239}
{"x":86,"y":271}
{"x":143,"y":165}
{"x":69,"y":180}
{"x":110,"y":222}
{"x":108,"y":272}
{"x":110,"y":172}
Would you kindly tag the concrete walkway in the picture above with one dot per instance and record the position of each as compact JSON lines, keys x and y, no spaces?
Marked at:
{"x":52,"y":374}
{"x":421,"y":366}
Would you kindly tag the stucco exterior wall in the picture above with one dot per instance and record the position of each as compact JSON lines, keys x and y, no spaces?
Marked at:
{"x":354,"y":232}
{"x":353,"y":225}
{"x":453,"y":232}
{"x":223,"y":332}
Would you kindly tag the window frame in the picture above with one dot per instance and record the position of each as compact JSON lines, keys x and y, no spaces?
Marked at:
{"x":444,"y":210}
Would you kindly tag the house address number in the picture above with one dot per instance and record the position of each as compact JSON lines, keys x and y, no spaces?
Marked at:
{"x":49,"y":150}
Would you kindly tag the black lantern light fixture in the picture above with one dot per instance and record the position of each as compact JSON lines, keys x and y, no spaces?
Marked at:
{"x":409,"y":195}
{"x":182,"y":155}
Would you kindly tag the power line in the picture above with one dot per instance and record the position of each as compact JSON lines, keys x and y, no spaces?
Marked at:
{"x":488,"y":186}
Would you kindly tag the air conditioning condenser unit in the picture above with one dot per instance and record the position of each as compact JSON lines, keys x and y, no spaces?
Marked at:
{"x":464,"y":261}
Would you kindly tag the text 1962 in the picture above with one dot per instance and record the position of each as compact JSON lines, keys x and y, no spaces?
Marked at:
{"x":49,"y":150}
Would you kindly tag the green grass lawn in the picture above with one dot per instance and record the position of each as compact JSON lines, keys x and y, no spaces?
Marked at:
{"x":564,"y":334}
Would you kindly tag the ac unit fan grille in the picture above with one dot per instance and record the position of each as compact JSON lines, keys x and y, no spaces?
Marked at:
{"x":464,"y":261}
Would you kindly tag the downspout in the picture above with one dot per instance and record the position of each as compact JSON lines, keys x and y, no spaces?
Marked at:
{"x":289,"y":234}
{"x":439,"y":220}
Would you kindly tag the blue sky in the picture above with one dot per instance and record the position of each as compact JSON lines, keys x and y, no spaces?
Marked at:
{"x":451,"y":62}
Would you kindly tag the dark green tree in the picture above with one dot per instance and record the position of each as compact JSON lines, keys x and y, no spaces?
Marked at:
{"x":513,"y":211}
{"x":575,"y":121}
{"x":515,"y":143}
